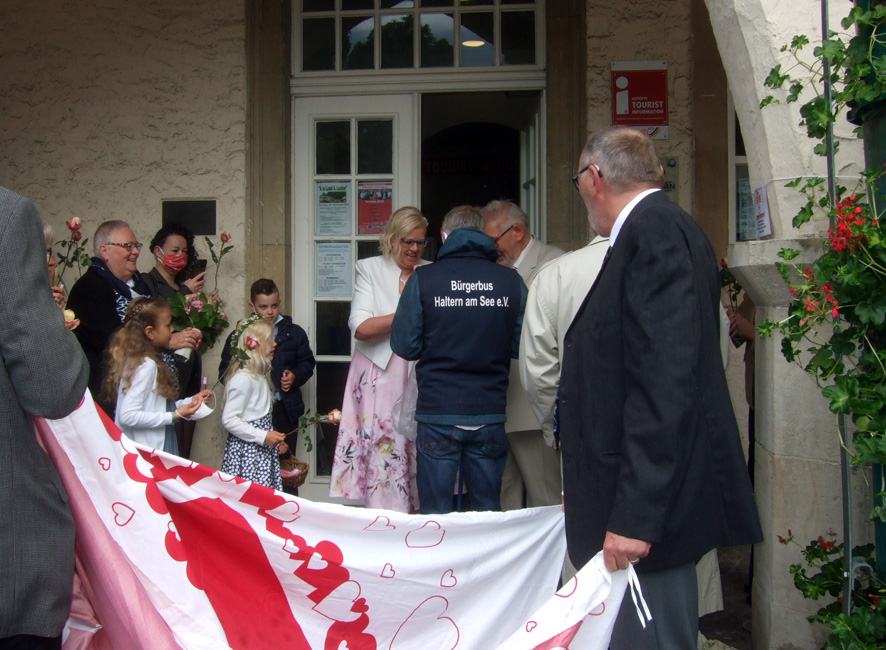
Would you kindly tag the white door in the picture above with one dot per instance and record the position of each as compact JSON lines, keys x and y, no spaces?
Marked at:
{"x":354,"y":161}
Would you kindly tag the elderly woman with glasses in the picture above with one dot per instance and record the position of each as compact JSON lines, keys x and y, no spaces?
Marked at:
{"x":373,"y":462}
{"x":102,"y":294}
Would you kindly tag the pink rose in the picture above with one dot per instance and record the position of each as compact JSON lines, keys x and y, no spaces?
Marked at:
{"x":197,"y":304}
{"x":225,"y":237}
{"x":74,"y":224}
{"x":251,"y":343}
{"x":334,"y":416}
{"x":76,"y":235}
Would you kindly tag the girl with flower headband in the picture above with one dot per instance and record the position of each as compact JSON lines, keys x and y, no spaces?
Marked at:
{"x":253,"y":447}
{"x":142,"y":382}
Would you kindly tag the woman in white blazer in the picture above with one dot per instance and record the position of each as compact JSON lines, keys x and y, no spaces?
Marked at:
{"x":373,"y":462}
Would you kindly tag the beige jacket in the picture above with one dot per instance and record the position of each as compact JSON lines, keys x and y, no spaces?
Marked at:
{"x":556,"y":293}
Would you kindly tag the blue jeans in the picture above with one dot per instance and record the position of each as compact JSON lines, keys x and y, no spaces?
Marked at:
{"x":481,"y":455}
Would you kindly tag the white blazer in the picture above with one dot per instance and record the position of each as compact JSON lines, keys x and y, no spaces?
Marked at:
{"x":376,"y":293}
{"x":141,"y":412}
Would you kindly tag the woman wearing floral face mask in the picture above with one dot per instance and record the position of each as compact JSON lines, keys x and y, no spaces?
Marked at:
{"x":175,"y":260}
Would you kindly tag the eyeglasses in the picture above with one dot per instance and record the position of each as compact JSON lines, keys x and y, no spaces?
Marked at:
{"x":495,"y":239}
{"x":409,"y":243}
{"x":128,"y":245}
{"x":582,"y":171}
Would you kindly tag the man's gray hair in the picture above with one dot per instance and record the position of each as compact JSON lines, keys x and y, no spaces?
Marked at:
{"x":462,"y":216}
{"x":508,"y":211}
{"x":105,"y":233}
{"x":625,"y":158}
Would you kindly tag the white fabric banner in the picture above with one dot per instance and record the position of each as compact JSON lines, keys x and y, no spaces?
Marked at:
{"x":229,"y":564}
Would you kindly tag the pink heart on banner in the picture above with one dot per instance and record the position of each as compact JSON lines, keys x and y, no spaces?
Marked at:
{"x":568,"y":592}
{"x":381,"y":523}
{"x":286,"y":512}
{"x":388,"y":571}
{"x":601,"y":607}
{"x":122,"y":513}
{"x":427,"y":621}
{"x":430,"y":534}
{"x":448,"y":579}
{"x":531,"y":625}
{"x":105,"y":463}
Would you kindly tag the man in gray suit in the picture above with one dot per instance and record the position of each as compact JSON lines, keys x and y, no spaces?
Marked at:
{"x":532,"y":472}
{"x":42,"y":373}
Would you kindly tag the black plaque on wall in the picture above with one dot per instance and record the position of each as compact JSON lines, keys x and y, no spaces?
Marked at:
{"x":196,"y":216}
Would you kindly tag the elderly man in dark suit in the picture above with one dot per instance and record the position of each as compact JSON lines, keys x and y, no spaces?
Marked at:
{"x":653,"y":468}
{"x":42,"y":373}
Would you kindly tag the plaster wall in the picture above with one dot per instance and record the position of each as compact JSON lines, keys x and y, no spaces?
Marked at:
{"x":109,"y":108}
{"x":645,"y":31}
{"x":798,"y":471}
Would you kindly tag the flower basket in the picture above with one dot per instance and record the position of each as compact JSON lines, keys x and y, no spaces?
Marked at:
{"x":294,"y":471}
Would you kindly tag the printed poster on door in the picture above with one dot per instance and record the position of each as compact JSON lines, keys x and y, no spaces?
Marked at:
{"x":333,"y":269}
{"x":374,"y":206}
{"x":333,"y":208}
{"x":640,"y":96}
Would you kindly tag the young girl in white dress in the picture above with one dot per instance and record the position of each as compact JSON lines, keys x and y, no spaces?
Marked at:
{"x":144,"y":385}
{"x":253,"y":447}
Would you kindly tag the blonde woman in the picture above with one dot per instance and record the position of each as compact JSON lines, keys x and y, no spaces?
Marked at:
{"x":373,"y":462}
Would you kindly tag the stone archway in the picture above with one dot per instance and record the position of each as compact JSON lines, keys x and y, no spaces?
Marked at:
{"x":798,"y":483}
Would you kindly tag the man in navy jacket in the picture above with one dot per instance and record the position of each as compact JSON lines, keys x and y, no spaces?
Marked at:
{"x":653,"y":468}
{"x":461,"y":318}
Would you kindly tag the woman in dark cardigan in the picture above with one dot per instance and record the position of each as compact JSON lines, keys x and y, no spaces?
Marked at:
{"x":174,"y":272}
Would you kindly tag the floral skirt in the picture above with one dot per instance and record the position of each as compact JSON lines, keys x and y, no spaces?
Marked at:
{"x":373,"y":462}
{"x":252,"y":461}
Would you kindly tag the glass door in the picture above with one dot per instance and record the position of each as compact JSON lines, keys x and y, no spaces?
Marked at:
{"x":354,"y":162}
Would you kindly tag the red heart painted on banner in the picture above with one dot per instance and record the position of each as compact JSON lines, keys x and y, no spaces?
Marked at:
{"x":105,"y":463}
{"x":338,"y":605}
{"x":388,"y":571}
{"x":317,"y":563}
{"x":430,"y":534}
{"x":380,"y":524}
{"x":427,"y":621}
{"x":531,"y":625}
{"x":286,"y":512}
{"x":448,"y":579}
{"x":122,"y":513}
{"x":567,"y":592}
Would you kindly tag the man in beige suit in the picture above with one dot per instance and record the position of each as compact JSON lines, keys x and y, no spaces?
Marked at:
{"x":532,"y":472}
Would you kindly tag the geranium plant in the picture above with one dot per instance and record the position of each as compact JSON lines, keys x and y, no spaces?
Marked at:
{"x":820,"y":575}
{"x":205,"y":313}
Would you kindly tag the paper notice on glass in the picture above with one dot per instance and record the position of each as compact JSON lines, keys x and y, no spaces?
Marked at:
{"x":374,"y":206}
{"x":333,"y":269}
{"x":761,"y":212}
{"x":747,"y":221}
{"x":333,"y":208}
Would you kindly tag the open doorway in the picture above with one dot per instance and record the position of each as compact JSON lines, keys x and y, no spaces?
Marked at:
{"x":475,"y":148}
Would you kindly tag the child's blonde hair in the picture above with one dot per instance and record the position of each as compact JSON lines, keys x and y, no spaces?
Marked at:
{"x":256,"y":361}
{"x":130,"y":346}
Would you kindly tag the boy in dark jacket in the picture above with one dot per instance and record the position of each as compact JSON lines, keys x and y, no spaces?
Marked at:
{"x":293,"y":362}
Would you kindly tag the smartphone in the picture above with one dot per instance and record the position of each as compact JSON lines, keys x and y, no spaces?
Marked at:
{"x":199,"y":267}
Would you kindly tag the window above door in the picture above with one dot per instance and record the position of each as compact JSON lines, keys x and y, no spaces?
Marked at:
{"x":366,"y":37}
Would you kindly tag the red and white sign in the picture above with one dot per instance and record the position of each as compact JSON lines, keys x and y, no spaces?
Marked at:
{"x":172,"y":554}
{"x":640,"y":96}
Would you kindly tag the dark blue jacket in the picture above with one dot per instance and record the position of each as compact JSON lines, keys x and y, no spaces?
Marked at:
{"x":461,"y":318}
{"x":293,"y":353}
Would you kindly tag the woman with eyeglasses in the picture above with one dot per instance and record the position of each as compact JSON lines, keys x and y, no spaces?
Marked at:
{"x":373,"y":462}
{"x":102,"y":294}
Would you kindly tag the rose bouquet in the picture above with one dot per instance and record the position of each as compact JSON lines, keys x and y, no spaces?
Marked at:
{"x":202,"y":312}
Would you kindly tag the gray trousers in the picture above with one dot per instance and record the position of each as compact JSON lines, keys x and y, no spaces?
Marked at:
{"x":672,"y":596}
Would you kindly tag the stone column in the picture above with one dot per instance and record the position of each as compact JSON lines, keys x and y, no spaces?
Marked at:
{"x":798,"y":484}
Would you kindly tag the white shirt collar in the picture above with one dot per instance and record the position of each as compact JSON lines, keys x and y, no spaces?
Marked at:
{"x":525,"y":250}
{"x":623,"y":215}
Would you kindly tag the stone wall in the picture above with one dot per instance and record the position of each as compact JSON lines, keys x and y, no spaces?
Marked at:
{"x":645,"y":31}
{"x":110,"y":108}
